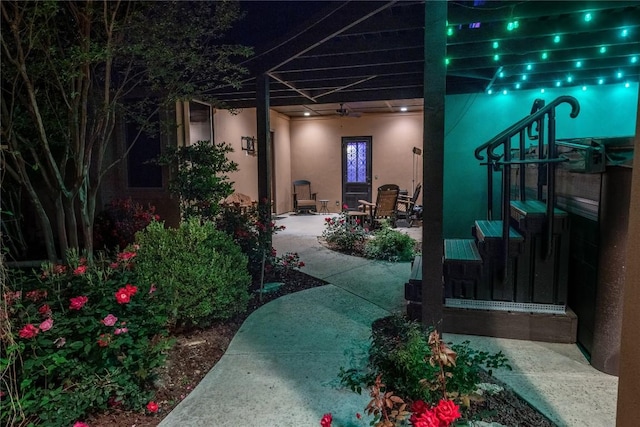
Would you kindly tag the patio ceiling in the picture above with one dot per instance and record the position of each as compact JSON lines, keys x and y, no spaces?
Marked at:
{"x":369,"y":55}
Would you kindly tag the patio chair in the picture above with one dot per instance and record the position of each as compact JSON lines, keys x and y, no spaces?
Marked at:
{"x":303,"y":199}
{"x":385,"y":206}
{"x":406,"y":208}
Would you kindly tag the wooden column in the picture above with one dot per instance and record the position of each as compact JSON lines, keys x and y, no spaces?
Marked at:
{"x":629,"y":371}
{"x":435,"y":49}
{"x":263,"y":133}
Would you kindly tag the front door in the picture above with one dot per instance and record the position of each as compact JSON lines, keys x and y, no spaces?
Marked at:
{"x":356,"y":170}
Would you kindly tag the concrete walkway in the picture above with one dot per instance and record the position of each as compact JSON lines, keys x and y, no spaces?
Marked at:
{"x":281,"y":368}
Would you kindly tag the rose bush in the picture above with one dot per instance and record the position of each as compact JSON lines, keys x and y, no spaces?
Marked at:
{"x":72,"y":345}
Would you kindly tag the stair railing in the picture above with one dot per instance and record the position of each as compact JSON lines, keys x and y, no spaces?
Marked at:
{"x":539,"y":112}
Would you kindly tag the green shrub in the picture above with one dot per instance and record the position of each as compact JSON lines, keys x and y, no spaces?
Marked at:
{"x":253,"y":232}
{"x":200,"y":273}
{"x":390,"y":245}
{"x":78,"y":339}
{"x":400,"y":352}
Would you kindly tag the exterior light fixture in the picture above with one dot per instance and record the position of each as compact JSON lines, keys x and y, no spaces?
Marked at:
{"x":307,"y":114}
{"x":403,"y":109}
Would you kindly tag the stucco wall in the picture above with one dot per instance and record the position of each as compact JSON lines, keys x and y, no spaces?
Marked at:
{"x":231,"y":127}
{"x":316,"y":150}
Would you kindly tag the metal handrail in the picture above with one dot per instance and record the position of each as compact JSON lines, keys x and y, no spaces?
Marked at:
{"x":525,"y":123}
{"x":539,"y":112}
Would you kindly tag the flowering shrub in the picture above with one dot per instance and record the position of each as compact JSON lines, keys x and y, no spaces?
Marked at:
{"x":253,"y":232}
{"x":200,"y":272}
{"x":117,"y":224}
{"x":72,"y":346}
{"x":421,"y":368}
{"x":345,"y":234}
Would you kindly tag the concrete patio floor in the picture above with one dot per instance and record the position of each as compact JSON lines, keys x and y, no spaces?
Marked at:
{"x":281,"y":368}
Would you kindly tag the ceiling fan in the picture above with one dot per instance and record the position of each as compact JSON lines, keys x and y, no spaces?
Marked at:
{"x":347,"y":112}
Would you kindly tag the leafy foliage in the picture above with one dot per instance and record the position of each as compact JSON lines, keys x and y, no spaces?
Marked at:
{"x":401,"y":352}
{"x":390,"y":245}
{"x":116,"y":226}
{"x":74,"y":346}
{"x":345,"y":234}
{"x":70,"y":70}
{"x":200,"y":179}
{"x":200,"y":273}
{"x":251,"y":229}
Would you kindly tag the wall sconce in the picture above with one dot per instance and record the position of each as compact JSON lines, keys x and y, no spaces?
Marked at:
{"x":248,"y":144}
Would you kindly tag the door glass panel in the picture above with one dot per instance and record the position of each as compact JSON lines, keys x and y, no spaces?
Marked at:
{"x":356,"y":161}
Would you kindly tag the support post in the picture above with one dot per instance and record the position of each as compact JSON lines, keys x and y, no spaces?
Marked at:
{"x":435,"y":49}
{"x":263,"y":143}
{"x":629,"y":370}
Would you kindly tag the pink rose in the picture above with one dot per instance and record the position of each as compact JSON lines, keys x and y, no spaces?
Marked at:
{"x":152,"y":407}
{"x":46,"y":325}
{"x":119,"y":331}
{"x":78,"y":302}
{"x":80,"y":270}
{"x":122,"y":296}
{"x":28,"y":331}
{"x":326,"y":420}
{"x":80,"y":424}
{"x":110,"y":320}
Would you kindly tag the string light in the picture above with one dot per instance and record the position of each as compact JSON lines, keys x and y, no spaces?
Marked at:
{"x":544,"y":55}
{"x":584,"y":88}
{"x":517,"y":85}
{"x":578,"y":64}
{"x":490,"y":91}
{"x":600,"y":81}
{"x":524,"y":77}
{"x":634,"y":59}
{"x":496,"y":45}
{"x":512,"y":25}
{"x":450,"y":31}
{"x":529,"y":67}
{"x":501,"y":74}
{"x":446,"y":61}
{"x":558,"y":83}
{"x":624,"y":33}
{"x":504,"y":92}
{"x":619,"y":74}
{"x":569,"y":79}
{"x":541,"y":90}
{"x":603,"y":49}
{"x":496,"y":57}
{"x":627,"y":84}
{"x":588,"y":17}
{"x":556,"y":39}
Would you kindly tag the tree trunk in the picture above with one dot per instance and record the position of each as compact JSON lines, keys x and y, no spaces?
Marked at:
{"x":63,"y":243}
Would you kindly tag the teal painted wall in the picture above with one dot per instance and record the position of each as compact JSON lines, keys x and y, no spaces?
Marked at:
{"x":471,"y":120}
